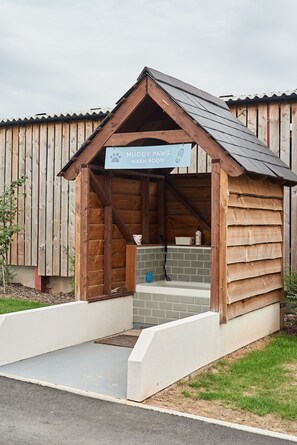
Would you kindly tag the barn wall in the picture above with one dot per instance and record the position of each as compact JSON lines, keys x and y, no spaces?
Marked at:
{"x":46,"y":205}
{"x":254,"y":244}
{"x":179,"y":220}
{"x":276,"y":125}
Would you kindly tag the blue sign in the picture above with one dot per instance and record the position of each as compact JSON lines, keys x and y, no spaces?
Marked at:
{"x":156,"y":156}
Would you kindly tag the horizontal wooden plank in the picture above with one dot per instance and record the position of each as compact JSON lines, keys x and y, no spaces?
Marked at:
{"x":122,"y":202}
{"x":118,"y":260}
{"x":169,"y":136}
{"x":95,"y":278}
{"x":244,"y":254}
{"x":191,"y":193}
{"x":95,"y":262}
{"x":251,"y":304}
{"x":192,"y":181}
{"x":96,"y":215}
{"x":254,"y":202}
{"x":94,"y":291}
{"x":252,"y":217}
{"x":130,"y":216}
{"x":246,"y":186}
{"x":118,"y":245}
{"x":248,"y":235}
{"x":94,"y":201}
{"x":118,"y":274}
{"x":240,"y":290}
{"x":96,"y":231}
{"x":95,"y":247}
{"x":240,"y":271}
{"x":126,"y":186}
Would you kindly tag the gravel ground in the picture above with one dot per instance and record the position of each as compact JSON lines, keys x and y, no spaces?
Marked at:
{"x":20,"y":292}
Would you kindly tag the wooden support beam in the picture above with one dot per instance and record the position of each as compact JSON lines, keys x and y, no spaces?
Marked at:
{"x":186,"y":204}
{"x":169,"y":136}
{"x":107,"y":202}
{"x":197,"y":134}
{"x":218,"y":288}
{"x":161,"y":211}
{"x":116,"y":120}
{"x":139,"y":174}
{"x":131,"y":252}
{"x":107,"y":238}
{"x":145,"y":211}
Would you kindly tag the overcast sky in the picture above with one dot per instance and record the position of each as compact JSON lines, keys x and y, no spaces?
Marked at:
{"x":71,"y":55}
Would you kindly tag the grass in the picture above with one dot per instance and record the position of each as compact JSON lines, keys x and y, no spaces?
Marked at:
{"x":12,"y":305}
{"x":261,"y":382}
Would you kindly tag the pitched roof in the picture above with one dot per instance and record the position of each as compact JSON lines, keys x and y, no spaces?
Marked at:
{"x":213,"y":116}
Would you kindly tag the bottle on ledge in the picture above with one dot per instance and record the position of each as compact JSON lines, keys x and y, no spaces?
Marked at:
{"x":198,"y":237}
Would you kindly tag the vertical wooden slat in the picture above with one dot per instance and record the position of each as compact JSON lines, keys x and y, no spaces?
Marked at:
{"x":241,"y":113}
{"x":202,"y":168}
{"x":49,"y":199}
{"x":14,"y":176}
{"x":145,"y":211}
{"x":262,"y":123}
{"x":71,"y":227}
{"x":57,"y":201}
{"x":35,"y":194}
{"x":131,"y":252}
{"x":84,"y":233}
{"x":193,"y":166}
{"x":252,"y":119}
{"x":78,"y":230}
{"x":21,"y":197}
{"x":28,"y":197}
{"x":42,"y":200}
{"x":2,"y":160}
{"x":274,"y":122}
{"x":285,"y":156}
{"x":107,"y":239}
{"x":64,"y":203}
{"x":294,"y":191}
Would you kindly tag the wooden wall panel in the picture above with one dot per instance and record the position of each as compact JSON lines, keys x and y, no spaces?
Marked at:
{"x":254,"y":245}
{"x":179,"y":221}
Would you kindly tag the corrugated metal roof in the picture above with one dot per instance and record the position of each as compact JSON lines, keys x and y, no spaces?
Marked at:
{"x":213,"y":115}
{"x":260,"y":97}
{"x":92,"y":113}
{"x":217,"y":120}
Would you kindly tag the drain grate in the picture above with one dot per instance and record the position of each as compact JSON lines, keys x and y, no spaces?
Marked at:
{"x":123,"y":340}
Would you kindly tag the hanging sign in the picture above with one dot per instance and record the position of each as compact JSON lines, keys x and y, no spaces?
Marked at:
{"x":156,"y":156}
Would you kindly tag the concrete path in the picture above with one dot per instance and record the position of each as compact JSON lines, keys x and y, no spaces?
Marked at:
{"x":35,"y":415}
{"x":91,"y":367}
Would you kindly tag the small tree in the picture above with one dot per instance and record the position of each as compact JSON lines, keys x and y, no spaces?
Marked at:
{"x":8,"y":212}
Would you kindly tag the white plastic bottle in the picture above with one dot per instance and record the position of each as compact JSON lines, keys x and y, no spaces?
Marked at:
{"x":198,"y":237}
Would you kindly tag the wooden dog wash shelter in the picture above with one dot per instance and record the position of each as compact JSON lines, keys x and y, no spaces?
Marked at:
{"x":238,"y":205}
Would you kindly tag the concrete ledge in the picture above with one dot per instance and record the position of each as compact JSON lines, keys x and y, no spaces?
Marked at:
{"x":29,"y":333}
{"x":164,"y":354}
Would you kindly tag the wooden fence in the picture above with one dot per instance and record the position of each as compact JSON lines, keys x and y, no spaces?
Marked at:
{"x":46,"y":203}
{"x":275,"y":123}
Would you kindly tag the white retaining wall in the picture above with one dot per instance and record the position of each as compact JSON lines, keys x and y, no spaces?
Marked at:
{"x":164,"y":354}
{"x":37,"y":331}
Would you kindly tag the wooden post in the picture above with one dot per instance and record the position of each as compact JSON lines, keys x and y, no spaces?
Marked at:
{"x":145,"y":211}
{"x":82,"y":234}
{"x":161,"y":210}
{"x":219,"y":188}
{"x":107,"y":238}
{"x":131,"y":252}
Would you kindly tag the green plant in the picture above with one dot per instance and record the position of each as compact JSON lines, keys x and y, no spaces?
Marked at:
{"x":72,"y":272}
{"x":291,"y":293}
{"x":8,"y":227}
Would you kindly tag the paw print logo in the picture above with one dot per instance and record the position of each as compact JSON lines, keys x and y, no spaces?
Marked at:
{"x":179,"y":155}
{"x":115,"y":157}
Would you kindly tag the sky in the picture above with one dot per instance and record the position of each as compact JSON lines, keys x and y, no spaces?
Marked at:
{"x":72,"y":55}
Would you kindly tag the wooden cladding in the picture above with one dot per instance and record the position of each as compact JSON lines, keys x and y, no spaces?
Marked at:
{"x":254,"y":245}
{"x":189,"y":207}
{"x":46,"y":203}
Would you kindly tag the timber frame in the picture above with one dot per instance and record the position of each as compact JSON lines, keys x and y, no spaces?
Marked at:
{"x":240,"y":214}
